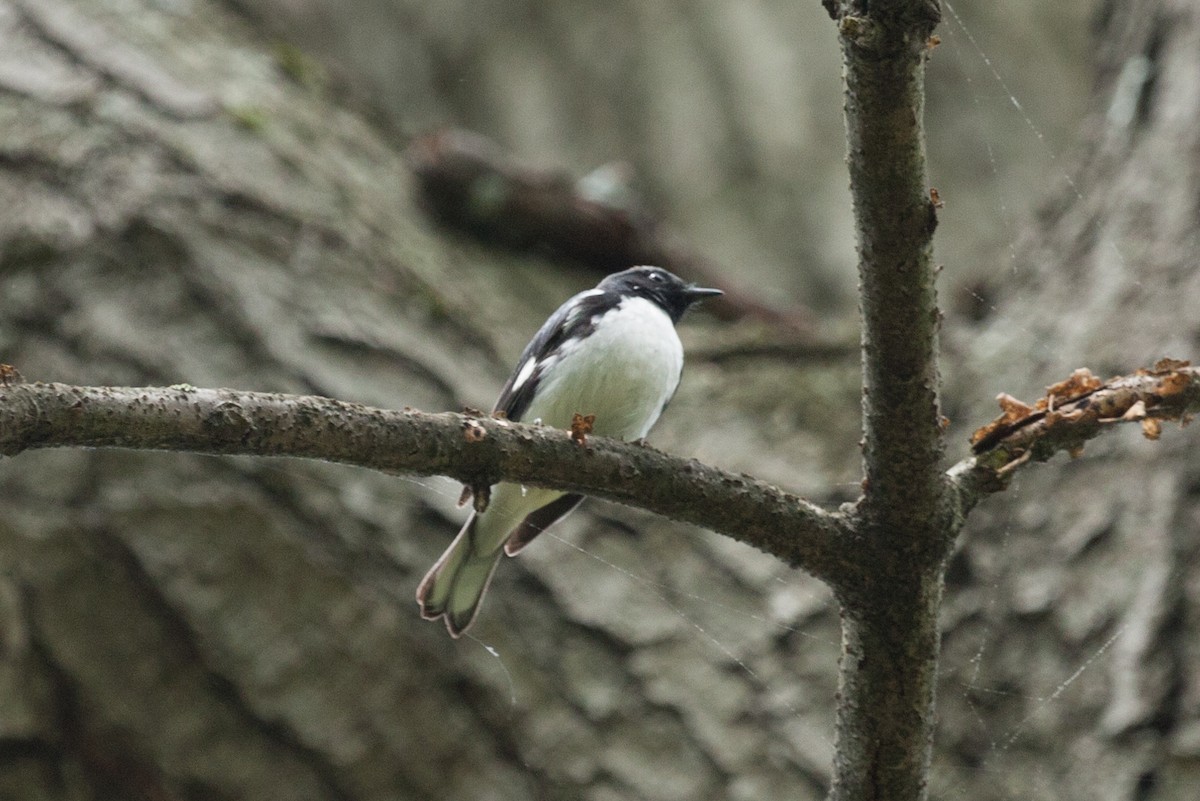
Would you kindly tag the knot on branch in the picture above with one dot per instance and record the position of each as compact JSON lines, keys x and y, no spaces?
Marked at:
{"x":473,"y":431}
{"x":228,"y":422}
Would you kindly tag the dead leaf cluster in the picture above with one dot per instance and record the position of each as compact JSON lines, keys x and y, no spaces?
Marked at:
{"x":1083,"y":398}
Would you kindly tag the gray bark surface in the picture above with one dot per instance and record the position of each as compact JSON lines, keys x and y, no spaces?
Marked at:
{"x":180,"y":207}
{"x":1072,"y":624}
{"x":181,"y":204}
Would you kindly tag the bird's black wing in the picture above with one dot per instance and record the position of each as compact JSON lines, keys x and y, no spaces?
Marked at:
{"x":575,"y":318}
{"x":538,"y":521}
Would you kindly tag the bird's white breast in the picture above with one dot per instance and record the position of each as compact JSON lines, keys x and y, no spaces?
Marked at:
{"x":624,"y":373}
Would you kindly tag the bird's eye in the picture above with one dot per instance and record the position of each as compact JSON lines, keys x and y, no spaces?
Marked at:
{"x":657,"y":278}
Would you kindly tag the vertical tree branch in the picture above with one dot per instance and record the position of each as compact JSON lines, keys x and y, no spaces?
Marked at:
{"x":889,"y":613}
{"x":886,"y":693}
{"x":895,"y":219}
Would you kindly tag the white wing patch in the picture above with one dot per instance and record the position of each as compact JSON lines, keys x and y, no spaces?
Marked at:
{"x":524,"y":373}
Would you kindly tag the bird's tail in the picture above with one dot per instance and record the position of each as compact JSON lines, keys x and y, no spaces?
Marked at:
{"x":454,"y":586}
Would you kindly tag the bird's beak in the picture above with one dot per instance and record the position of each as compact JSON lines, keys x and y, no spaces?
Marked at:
{"x":695,"y":294}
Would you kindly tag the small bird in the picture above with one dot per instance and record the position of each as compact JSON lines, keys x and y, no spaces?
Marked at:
{"x":611,"y":352}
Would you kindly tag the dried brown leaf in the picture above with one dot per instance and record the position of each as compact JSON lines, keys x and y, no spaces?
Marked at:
{"x":1080,"y":382}
{"x":10,"y":376}
{"x":581,"y":426}
{"x":1013,"y":409}
{"x":1013,"y":412}
{"x":1168,"y":365}
{"x":983,"y":432}
{"x":1173,"y":384}
{"x":1151,"y":428}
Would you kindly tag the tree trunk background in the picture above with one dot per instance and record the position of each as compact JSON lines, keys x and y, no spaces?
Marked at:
{"x":1073,"y":621}
{"x":184,"y":201}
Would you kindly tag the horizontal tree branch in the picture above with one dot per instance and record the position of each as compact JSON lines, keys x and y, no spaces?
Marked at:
{"x":475,"y":449}
{"x":1072,"y":412}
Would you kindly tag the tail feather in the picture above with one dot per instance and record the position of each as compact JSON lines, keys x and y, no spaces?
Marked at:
{"x":454,"y":587}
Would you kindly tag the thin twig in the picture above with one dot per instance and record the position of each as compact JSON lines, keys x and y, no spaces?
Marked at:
{"x":1065,"y":421}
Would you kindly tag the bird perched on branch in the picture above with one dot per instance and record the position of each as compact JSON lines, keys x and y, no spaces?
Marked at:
{"x":611,"y":352}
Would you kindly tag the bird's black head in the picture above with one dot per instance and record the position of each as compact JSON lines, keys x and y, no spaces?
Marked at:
{"x":657,"y":285}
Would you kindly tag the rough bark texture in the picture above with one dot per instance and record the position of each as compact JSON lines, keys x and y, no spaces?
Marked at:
{"x":202,"y":627}
{"x":888,"y":668}
{"x":182,"y":205}
{"x":475,"y":449}
{"x":1073,"y":618}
